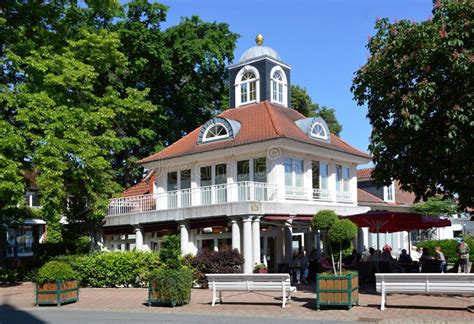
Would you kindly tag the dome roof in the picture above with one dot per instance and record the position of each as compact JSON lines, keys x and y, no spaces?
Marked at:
{"x":258,"y":51}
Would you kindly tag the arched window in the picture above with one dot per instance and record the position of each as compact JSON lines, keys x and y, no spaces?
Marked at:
{"x":247,"y":86}
{"x":215,"y":132}
{"x":278,"y":86}
{"x":318,"y":131}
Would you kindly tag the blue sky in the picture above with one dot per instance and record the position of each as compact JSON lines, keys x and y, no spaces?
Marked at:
{"x":322,"y":40}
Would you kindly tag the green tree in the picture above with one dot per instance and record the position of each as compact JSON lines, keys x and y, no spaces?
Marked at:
{"x":341,"y":233}
{"x":87,"y":89}
{"x":418,"y":86}
{"x":324,"y":220}
{"x":302,"y":102}
{"x":436,"y":206}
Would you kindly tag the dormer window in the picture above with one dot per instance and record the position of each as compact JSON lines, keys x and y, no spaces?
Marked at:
{"x":247,"y":86}
{"x":218,"y":129}
{"x":315,"y":128}
{"x":215,"y":132}
{"x":318,"y":131}
{"x":278,"y":85}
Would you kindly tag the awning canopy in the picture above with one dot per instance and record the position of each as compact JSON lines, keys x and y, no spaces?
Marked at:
{"x":390,"y":221}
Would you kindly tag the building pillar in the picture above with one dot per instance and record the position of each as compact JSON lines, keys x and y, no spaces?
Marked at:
{"x":184,"y":238}
{"x":138,"y":238}
{"x":360,"y":240}
{"x":256,"y":240}
{"x":248,"y":259}
{"x":288,"y":242}
{"x":235,"y":234}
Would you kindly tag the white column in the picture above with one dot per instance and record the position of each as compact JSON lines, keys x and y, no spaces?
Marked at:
{"x":256,"y":240}
{"x":248,"y":260}
{"x":138,"y":238}
{"x":184,"y":238}
{"x":288,"y":242}
{"x":235,"y":234}
{"x":360,"y":240}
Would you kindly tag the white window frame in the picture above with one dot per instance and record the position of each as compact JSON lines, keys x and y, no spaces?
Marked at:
{"x":386,"y":192}
{"x":275,"y":83}
{"x":205,"y":137}
{"x":343,"y":183}
{"x":238,"y":83}
{"x":317,"y":135}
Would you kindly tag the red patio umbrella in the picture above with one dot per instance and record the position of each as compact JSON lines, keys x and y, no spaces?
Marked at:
{"x":391,"y":221}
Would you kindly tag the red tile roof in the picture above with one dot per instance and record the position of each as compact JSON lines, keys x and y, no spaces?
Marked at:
{"x":364,"y":174}
{"x":145,"y":186}
{"x":364,"y":196}
{"x":259,"y":122}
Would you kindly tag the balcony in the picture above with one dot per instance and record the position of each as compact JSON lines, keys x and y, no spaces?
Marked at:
{"x":202,"y":196}
{"x":220,"y":194}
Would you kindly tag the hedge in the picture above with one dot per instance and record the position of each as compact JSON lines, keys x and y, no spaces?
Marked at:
{"x":55,"y":270}
{"x":114,"y":269}
{"x":448,"y":247}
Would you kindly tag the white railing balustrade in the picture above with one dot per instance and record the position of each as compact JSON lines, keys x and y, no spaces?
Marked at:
{"x":343,"y":196}
{"x":219,"y":194}
{"x":321,"y":194}
{"x":202,"y":196}
{"x":133,"y":204}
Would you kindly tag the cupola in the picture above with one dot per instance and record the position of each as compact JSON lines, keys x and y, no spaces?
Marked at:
{"x":259,"y":75}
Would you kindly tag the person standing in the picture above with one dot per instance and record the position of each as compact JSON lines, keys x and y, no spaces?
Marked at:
{"x":463,"y":253}
{"x":440,"y":257}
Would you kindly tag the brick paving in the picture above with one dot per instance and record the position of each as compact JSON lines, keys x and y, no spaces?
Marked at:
{"x":400,"y":309}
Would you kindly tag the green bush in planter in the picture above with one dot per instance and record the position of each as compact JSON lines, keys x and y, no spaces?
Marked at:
{"x":7,"y":276}
{"x":172,"y":286}
{"x":55,"y":270}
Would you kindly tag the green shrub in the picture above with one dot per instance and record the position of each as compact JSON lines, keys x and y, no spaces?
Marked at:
{"x":55,"y":270}
{"x":114,"y":269}
{"x":7,"y":276}
{"x":448,"y":247}
{"x":226,"y":261}
{"x":170,"y":251}
{"x":324,"y":220}
{"x":172,"y":286}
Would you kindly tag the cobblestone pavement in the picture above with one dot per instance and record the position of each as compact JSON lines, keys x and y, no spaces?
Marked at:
{"x":400,"y":308}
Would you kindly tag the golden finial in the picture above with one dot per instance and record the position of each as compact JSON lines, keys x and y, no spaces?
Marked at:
{"x":259,"y":39}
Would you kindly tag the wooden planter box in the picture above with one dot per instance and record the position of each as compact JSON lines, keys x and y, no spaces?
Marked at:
{"x":154,"y":296}
{"x":337,"y":290}
{"x":57,"y":293}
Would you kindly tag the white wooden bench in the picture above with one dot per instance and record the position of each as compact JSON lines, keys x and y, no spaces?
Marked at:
{"x":250,"y":282}
{"x":424,"y":283}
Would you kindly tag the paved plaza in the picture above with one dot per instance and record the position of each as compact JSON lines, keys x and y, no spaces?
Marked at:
{"x":401,"y":308}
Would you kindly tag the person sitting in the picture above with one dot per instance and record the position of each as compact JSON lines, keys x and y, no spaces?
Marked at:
{"x":425,"y":255}
{"x":393,"y":265}
{"x":404,"y":257}
{"x":301,"y":264}
{"x":325,"y":264}
{"x":370,"y":257}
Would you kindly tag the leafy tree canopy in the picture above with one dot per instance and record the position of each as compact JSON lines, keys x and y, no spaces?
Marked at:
{"x":418,"y":86}
{"x":324,"y":220}
{"x":436,"y":206}
{"x":302,"y":102}
{"x":86,"y":90}
{"x":342,"y":231}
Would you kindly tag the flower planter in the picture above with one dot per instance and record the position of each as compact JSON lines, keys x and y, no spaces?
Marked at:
{"x":337,"y":290}
{"x":155,"y":298}
{"x":57,"y":293}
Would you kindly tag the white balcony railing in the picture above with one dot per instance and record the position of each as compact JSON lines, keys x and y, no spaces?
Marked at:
{"x":343,"y":196}
{"x":202,"y":196}
{"x":218,"y":194}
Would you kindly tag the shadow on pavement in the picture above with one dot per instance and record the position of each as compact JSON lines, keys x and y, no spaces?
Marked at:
{"x":9,"y":314}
